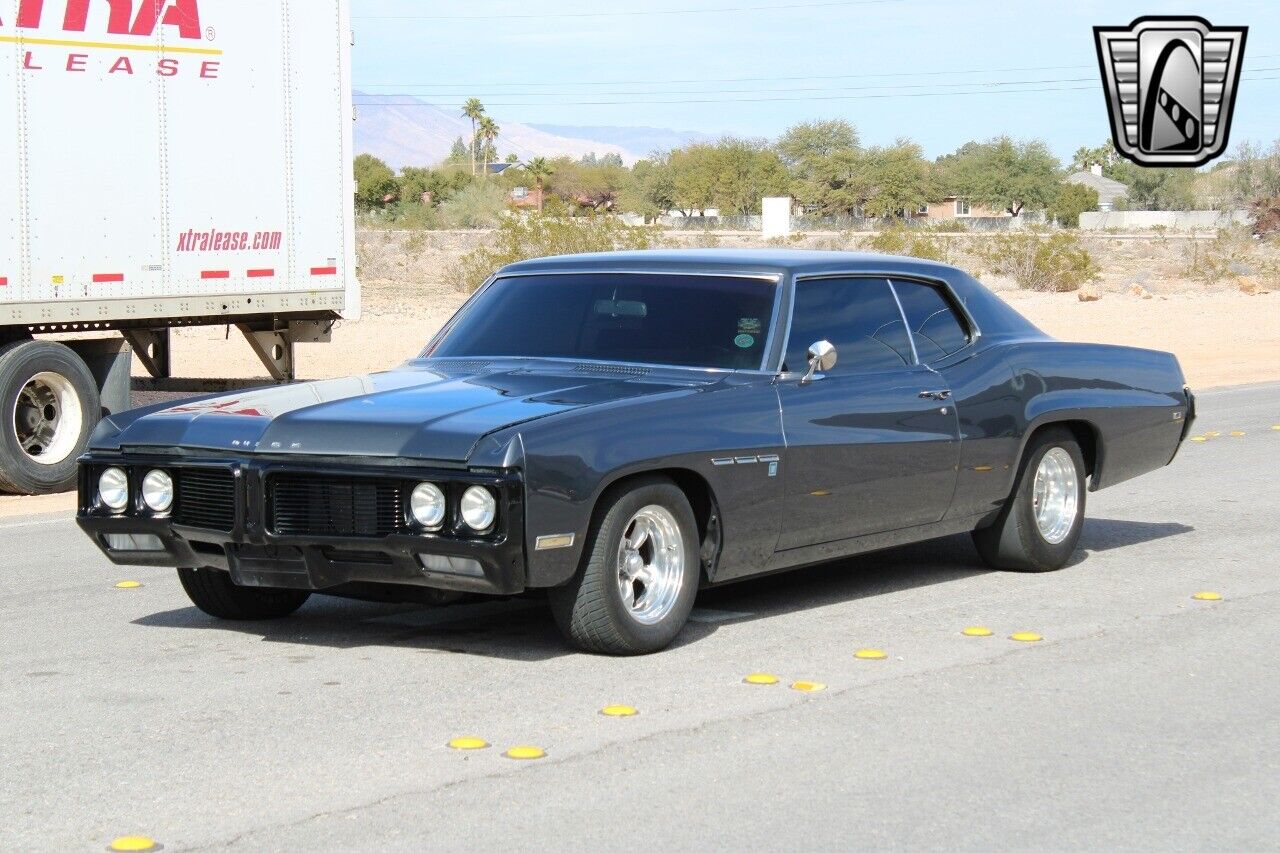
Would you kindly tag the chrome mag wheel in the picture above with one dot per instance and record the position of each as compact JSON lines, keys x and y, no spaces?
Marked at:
{"x":650,"y":564}
{"x":1055,"y":495}
{"x":46,"y":418}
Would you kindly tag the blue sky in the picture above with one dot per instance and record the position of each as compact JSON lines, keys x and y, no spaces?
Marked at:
{"x":754,"y":71}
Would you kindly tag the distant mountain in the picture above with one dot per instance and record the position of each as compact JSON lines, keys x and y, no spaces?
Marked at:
{"x":641,"y":140}
{"x":415,"y":133}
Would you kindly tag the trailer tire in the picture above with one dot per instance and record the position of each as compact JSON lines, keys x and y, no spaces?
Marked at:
{"x":49,"y":405}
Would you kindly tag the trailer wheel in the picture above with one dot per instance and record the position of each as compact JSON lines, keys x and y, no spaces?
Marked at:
{"x":49,"y":405}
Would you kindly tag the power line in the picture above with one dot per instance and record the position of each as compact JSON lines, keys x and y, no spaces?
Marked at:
{"x":988,"y":89}
{"x":625,"y":14}
{"x":737,"y":100}
{"x":991,"y":84}
{"x":867,"y":76}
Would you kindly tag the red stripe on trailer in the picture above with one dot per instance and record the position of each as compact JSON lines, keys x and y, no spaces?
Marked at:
{"x":262,"y":273}
{"x":207,"y":274}
{"x":4,"y":282}
{"x":324,"y":270}
{"x":108,"y":278}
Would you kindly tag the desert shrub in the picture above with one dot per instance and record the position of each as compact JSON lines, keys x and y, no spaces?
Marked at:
{"x":539,"y":235}
{"x":1070,"y":201}
{"x":1230,"y":252}
{"x":1057,"y":262}
{"x":910,"y":242}
{"x":479,"y":205}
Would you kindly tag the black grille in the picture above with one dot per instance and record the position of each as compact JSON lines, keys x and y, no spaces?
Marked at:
{"x":206,"y":497}
{"x":334,"y":506}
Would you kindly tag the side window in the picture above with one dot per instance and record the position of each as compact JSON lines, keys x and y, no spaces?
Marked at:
{"x":934,"y":325}
{"x":858,"y":315}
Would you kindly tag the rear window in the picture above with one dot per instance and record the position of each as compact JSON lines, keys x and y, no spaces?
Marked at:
{"x":936,"y":329}
{"x":688,"y":320}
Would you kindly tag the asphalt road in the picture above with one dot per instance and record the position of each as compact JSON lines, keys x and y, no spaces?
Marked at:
{"x":1143,"y":719}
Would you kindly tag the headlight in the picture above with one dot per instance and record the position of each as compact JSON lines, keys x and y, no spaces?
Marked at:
{"x":157,"y":491}
{"x":113,"y":489}
{"x":427,"y":505}
{"x":479,"y":509}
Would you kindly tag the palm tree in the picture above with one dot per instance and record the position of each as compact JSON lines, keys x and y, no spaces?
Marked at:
{"x":539,"y":168}
{"x":473,"y":110}
{"x":488,"y":132}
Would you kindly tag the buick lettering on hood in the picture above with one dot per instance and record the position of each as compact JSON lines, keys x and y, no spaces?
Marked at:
{"x":616,"y":431}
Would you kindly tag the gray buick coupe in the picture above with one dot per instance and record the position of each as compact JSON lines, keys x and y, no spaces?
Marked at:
{"x":622,"y":429}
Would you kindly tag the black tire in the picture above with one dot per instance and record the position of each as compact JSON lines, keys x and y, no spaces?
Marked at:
{"x":590,"y":609}
{"x":213,"y":592}
{"x":20,"y":363}
{"x":1014,"y":542}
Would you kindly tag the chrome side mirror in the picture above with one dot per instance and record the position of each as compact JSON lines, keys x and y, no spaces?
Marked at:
{"x":822,"y":357}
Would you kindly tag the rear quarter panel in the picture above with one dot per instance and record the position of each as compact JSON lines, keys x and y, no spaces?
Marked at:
{"x":1133,"y":399}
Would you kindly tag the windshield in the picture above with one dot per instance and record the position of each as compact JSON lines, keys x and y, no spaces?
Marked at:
{"x":689,"y":320}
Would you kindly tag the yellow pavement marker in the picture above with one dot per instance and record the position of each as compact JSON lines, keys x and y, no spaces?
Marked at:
{"x":1198,"y":438}
{"x":870,"y":654}
{"x":1207,"y":596}
{"x":808,"y":686}
{"x":133,"y":843}
{"x":976,"y":631}
{"x":761,"y":678}
{"x":1236,"y":433}
{"x":525,"y":753}
{"x":128,"y":585}
{"x":468,"y":743}
{"x":618,"y":711}
{"x":1276,"y":427}
{"x":1213,"y":433}
{"x":1026,"y":637}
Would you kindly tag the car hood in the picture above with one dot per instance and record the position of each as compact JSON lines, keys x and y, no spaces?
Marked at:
{"x":420,"y":411}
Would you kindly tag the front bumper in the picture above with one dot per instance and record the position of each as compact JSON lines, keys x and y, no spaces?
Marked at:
{"x":255,"y":555}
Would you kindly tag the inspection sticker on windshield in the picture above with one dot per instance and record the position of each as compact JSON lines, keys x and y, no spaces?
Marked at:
{"x":744,"y":341}
{"x":749,"y":325}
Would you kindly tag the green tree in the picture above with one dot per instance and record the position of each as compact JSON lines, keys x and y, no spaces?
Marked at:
{"x":374,"y":182}
{"x":488,"y":130}
{"x":458,"y":154}
{"x":745,"y":171}
{"x":539,"y":168}
{"x":1105,"y":155}
{"x":473,"y":110}
{"x":821,"y":157}
{"x":896,"y":180}
{"x":648,"y":189}
{"x":1157,"y":189}
{"x":589,"y":182}
{"x":1002,"y":174}
{"x":1071,"y":201}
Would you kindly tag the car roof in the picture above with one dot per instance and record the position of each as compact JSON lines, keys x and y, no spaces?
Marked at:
{"x":780,"y":262}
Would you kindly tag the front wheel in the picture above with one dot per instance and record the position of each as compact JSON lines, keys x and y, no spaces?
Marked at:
{"x":1039,"y":527}
{"x":214,"y":593}
{"x":639,"y":573}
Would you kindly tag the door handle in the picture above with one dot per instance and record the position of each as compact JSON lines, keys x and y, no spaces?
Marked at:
{"x":944,"y":394}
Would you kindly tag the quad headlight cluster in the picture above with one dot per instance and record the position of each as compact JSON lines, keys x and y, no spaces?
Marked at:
{"x":157,"y":490}
{"x":478,"y":508}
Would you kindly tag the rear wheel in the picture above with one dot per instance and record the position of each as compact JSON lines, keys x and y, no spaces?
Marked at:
{"x":639,"y":573}
{"x":1039,"y":527}
{"x":49,"y":405}
{"x":213,"y":592}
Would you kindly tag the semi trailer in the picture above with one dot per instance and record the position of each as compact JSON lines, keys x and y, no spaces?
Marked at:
{"x":166,"y":164}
